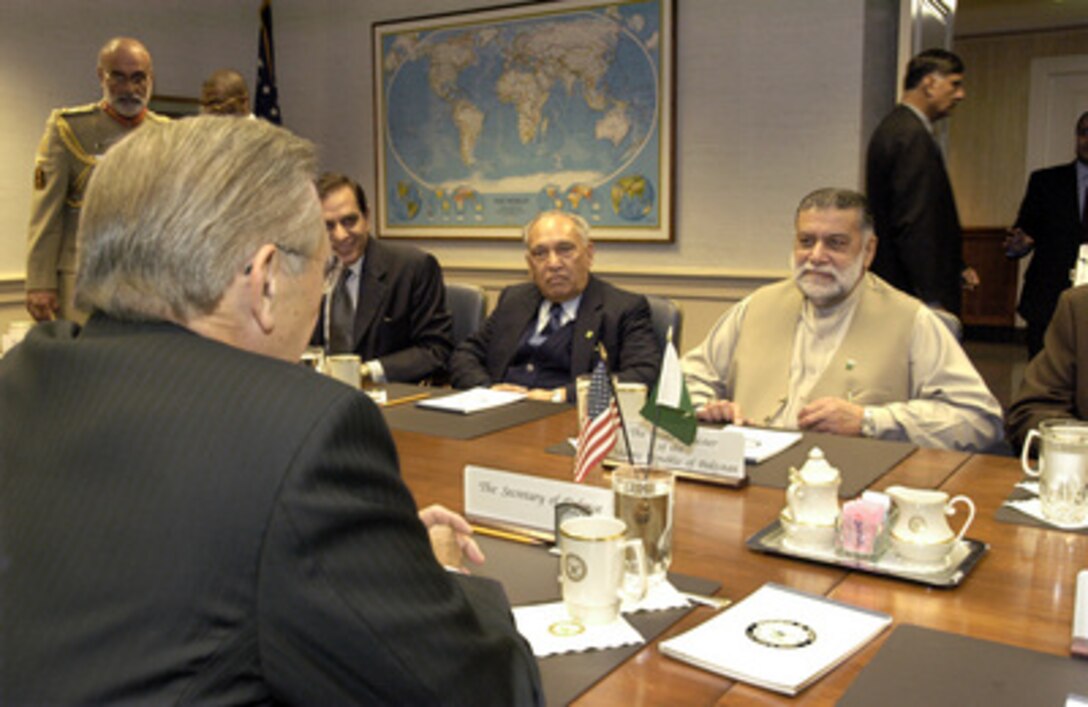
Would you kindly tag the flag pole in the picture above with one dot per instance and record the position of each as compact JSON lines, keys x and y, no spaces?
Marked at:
{"x":619,"y":408}
{"x":657,"y":411}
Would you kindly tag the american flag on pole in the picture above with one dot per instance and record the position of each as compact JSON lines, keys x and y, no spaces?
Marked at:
{"x":267,"y":100}
{"x":598,"y":435}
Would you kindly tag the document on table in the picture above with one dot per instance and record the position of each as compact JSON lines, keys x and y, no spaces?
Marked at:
{"x":778,"y":638}
{"x":761,"y":443}
{"x":474,"y":400}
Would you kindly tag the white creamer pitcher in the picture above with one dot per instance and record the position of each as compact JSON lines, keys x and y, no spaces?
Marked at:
{"x":813,"y":493}
{"x":921,"y":532}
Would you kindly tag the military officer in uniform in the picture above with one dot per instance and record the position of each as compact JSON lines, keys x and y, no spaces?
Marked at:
{"x":73,"y":140}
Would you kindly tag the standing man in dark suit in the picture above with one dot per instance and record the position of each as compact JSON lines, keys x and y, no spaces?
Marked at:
{"x":543,"y":334}
{"x":188,"y":516}
{"x":920,"y":246}
{"x":1053,"y":222}
{"x":389,"y":301}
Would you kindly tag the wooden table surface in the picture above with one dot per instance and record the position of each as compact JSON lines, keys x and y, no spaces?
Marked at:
{"x":1021,"y":592}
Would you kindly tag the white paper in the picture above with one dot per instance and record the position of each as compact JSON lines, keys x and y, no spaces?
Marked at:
{"x":761,"y":444}
{"x":474,"y":400}
{"x":827,"y":633}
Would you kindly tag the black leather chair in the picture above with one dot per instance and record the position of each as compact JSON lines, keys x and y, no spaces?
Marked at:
{"x":468,"y":306}
{"x":665,"y":313}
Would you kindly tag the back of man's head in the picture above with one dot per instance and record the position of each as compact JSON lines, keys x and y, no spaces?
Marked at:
{"x":173,"y":212}
{"x":939,"y":61}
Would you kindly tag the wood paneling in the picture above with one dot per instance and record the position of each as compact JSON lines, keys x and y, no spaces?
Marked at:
{"x":993,"y":302}
{"x":987,"y":143}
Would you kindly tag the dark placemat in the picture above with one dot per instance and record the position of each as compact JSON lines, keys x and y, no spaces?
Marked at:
{"x":409,"y":417}
{"x":530,"y":575}
{"x":921,"y":666}
{"x":1005,"y":514}
{"x":860,"y":461}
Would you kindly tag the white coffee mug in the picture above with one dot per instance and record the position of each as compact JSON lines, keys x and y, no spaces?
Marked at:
{"x":345,"y":368}
{"x":593,"y":566}
{"x":1062,"y":470}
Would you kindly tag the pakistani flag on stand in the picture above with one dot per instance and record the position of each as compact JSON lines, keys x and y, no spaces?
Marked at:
{"x":669,"y":405}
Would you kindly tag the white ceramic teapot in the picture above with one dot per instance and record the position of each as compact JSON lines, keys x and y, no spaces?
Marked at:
{"x":921,"y":532}
{"x":813,"y":494}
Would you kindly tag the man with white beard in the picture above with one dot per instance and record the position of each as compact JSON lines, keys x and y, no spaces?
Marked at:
{"x":74,"y":139}
{"x":836,"y":349}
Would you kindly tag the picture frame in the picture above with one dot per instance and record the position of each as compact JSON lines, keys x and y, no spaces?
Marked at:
{"x":174,"y":106}
{"x":483,"y":119}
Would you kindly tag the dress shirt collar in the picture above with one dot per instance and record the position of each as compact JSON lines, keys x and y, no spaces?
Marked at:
{"x":570,"y":312}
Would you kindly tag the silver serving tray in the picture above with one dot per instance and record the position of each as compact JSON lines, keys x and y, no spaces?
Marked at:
{"x":963,"y":558}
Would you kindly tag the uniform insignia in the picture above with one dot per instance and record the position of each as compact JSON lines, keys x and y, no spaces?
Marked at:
{"x":39,"y":178}
{"x":589,"y":334}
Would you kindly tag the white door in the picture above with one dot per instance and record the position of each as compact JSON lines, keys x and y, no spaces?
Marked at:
{"x":1058,"y":95}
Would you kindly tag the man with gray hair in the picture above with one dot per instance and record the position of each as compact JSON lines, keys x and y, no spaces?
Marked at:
{"x":836,"y":349}
{"x":188,"y":515}
{"x":74,"y":140}
{"x":543,"y":334}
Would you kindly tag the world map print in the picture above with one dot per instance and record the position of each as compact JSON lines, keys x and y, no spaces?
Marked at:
{"x":486,"y":122}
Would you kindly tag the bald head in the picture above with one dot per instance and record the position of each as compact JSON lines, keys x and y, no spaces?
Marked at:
{"x":224,"y":93}
{"x":126,"y":75}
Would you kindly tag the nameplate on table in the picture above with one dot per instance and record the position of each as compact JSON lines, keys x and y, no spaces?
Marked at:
{"x":716,"y":454}
{"x":521,"y":501}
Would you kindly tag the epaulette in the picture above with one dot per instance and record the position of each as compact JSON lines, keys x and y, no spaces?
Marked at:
{"x":78,"y":110}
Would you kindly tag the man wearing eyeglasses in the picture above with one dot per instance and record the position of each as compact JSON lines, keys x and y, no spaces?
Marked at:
{"x":543,"y":334}
{"x":74,"y":139}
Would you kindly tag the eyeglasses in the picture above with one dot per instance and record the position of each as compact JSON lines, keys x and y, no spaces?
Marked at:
{"x":136,"y":78}
{"x":329,"y":270}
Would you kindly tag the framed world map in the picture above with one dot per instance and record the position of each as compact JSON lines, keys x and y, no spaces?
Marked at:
{"x":486,"y":118}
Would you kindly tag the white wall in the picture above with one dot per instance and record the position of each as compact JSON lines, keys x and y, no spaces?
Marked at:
{"x":774,"y":98}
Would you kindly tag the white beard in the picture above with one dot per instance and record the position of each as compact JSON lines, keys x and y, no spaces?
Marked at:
{"x":823,"y":294}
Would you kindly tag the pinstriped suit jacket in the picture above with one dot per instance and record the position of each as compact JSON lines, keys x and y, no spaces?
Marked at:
{"x":184,"y":522}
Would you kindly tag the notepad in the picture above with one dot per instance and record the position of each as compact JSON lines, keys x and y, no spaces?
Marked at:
{"x":778,"y":638}
{"x":474,"y":400}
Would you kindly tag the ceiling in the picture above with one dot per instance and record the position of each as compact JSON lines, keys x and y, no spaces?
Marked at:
{"x":989,"y":16}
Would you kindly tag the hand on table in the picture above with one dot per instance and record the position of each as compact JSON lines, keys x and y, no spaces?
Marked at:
{"x":833,"y":415}
{"x":720,"y":411}
{"x":451,"y":536}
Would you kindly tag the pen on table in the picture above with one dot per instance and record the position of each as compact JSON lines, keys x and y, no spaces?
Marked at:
{"x":407,"y":399}
{"x":504,"y":535}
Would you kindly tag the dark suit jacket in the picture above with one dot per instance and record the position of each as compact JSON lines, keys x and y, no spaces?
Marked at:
{"x":1050,"y":215}
{"x":402,"y":319}
{"x":184,"y":522}
{"x":607,"y":315}
{"x":1056,"y":381}
{"x":920,"y":246}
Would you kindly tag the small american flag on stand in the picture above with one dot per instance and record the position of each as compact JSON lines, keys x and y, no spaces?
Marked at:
{"x":598,"y":435}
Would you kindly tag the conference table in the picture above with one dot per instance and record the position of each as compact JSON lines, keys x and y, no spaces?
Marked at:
{"x":1021,"y":593}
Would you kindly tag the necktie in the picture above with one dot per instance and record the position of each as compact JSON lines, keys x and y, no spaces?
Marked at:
{"x":555,"y":322}
{"x":341,"y":316}
{"x":1084,"y":215}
